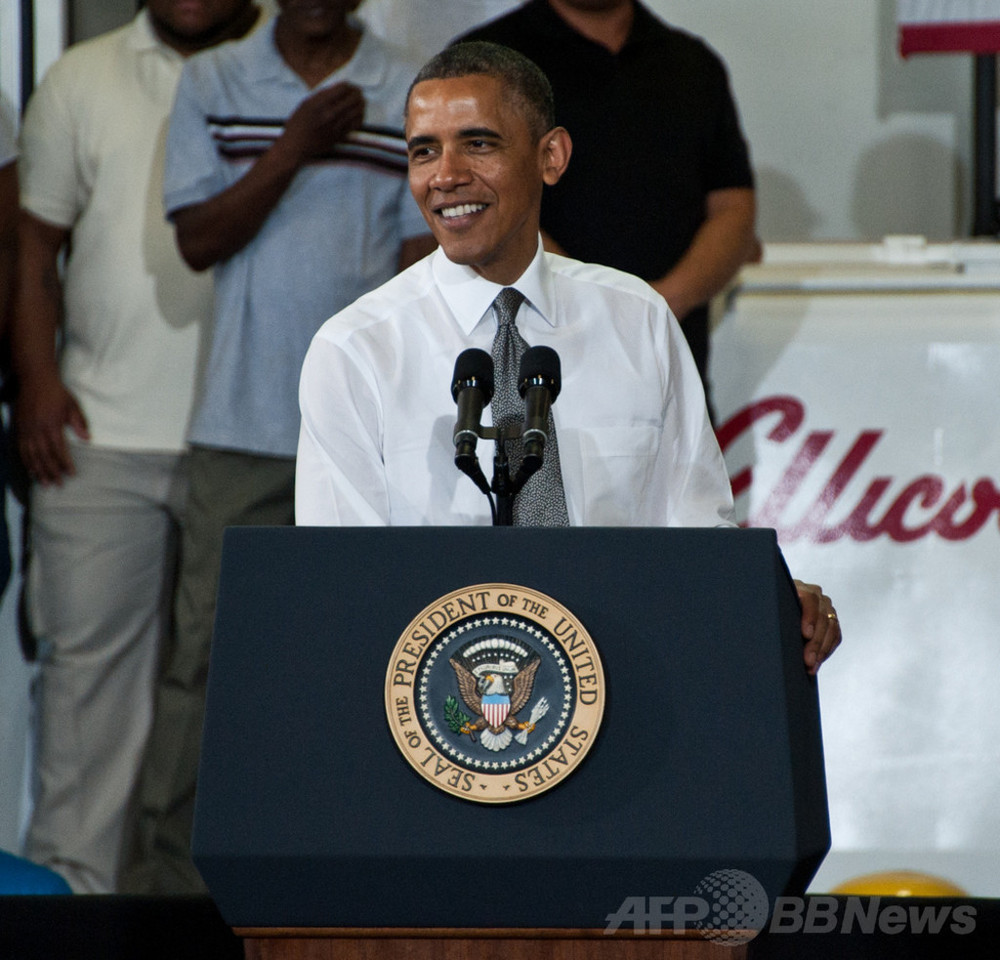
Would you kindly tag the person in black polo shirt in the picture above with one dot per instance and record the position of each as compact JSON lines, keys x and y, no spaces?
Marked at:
{"x":660,"y":184}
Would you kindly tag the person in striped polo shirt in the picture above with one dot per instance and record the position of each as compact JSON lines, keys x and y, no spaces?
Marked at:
{"x":286,"y":174}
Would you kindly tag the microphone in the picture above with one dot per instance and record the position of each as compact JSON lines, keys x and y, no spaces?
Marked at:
{"x":539,"y":381}
{"x":471,"y":389}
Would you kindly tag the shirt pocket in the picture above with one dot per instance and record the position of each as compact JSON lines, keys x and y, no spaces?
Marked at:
{"x":617,"y":471}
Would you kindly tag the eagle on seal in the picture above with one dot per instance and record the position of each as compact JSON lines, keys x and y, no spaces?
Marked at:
{"x":495,"y":699}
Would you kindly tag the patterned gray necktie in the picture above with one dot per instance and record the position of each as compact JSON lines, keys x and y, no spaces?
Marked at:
{"x":542,"y":500}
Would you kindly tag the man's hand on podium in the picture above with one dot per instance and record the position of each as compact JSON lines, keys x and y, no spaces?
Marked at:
{"x":820,"y":626}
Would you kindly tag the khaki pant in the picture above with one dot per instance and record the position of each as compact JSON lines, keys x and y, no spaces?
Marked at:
{"x":100,"y":589}
{"x":226,"y":489}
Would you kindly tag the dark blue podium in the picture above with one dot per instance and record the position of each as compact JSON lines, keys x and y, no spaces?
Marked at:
{"x":310,"y":823}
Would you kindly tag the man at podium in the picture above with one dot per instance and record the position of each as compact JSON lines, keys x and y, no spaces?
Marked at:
{"x":629,"y":442}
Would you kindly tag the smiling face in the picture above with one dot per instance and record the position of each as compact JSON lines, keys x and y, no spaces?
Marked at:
{"x":477,"y":171}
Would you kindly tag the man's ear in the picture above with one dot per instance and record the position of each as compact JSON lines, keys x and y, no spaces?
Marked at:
{"x":555,"y":150}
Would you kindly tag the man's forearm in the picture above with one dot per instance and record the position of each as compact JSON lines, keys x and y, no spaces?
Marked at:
{"x":723,"y":244}
{"x":8,"y":240}
{"x":43,"y":407}
{"x":38,"y":306}
{"x":223,"y":225}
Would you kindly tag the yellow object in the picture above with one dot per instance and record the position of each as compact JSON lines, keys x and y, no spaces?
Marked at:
{"x":900,"y":883}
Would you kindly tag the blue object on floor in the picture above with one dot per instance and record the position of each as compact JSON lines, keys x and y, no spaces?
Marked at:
{"x":20,"y":876}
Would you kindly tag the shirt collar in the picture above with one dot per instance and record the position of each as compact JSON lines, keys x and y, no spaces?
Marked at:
{"x":644,"y":26}
{"x":366,"y":68}
{"x":143,"y":38}
{"x":470,"y":296}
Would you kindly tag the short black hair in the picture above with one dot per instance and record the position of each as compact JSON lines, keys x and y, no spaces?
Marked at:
{"x":523,"y":80}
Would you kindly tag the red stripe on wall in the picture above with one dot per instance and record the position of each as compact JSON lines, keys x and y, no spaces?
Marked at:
{"x":974,"y":37}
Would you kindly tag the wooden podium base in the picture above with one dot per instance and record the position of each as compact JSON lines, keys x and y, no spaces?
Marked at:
{"x":457,"y":944}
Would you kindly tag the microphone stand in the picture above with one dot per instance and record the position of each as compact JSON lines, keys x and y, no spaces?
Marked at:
{"x":504,"y":486}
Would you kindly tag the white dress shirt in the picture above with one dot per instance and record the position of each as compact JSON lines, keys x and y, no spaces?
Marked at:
{"x":635,"y":442}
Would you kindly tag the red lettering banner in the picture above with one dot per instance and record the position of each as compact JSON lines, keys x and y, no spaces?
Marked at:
{"x":858,"y":419}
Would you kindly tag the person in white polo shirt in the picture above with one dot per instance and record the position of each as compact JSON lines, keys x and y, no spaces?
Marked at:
{"x":101,"y":421}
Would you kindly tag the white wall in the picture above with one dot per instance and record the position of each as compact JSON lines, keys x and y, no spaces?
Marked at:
{"x":849,"y":141}
{"x":50,"y":39}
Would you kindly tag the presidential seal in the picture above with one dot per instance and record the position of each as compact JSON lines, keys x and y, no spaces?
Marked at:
{"x":494,"y":693}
